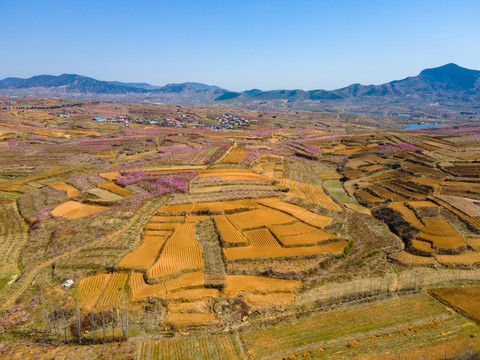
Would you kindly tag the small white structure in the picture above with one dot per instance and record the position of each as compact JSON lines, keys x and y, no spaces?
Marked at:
{"x":67,"y":283}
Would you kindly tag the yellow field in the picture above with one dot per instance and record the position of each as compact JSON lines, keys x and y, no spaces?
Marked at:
{"x":145,"y":255}
{"x":184,"y":319}
{"x":190,"y":280}
{"x":234,"y":174}
{"x":228,"y":232}
{"x":291,"y":229}
{"x":162,"y":226}
{"x":422,"y":246}
{"x":405,"y":258}
{"x":407,"y":214}
{"x":110,"y":175}
{"x":469,"y":258}
{"x":193,"y":294}
{"x":441,"y":234}
{"x":114,"y":290}
{"x":235,"y":155}
{"x":263,"y":245}
{"x":75,"y":210}
{"x":181,"y":252}
{"x":89,"y":290}
{"x":315,"y":236}
{"x":210,"y":206}
{"x":139,"y":289}
{"x":71,"y":191}
{"x":111,"y":186}
{"x":298,"y":212}
{"x":258,"y":218}
{"x":240,"y":284}
{"x":167,"y":219}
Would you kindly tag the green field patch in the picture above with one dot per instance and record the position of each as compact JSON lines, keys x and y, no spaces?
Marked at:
{"x":191,"y":348}
{"x":341,"y":196}
{"x":332,"y":184}
{"x":291,"y":335}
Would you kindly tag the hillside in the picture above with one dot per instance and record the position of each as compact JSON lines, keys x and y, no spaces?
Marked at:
{"x":442,"y":91}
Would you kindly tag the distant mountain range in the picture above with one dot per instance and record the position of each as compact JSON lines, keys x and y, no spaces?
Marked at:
{"x":434,"y":90}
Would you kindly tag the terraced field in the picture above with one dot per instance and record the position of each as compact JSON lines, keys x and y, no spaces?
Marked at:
{"x":13,"y":235}
{"x":181,"y":252}
{"x":207,"y":347}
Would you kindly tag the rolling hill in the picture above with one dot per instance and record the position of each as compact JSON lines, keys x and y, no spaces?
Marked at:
{"x":433,"y":91}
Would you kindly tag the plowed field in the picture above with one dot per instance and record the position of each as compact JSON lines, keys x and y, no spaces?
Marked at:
{"x":181,"y":252}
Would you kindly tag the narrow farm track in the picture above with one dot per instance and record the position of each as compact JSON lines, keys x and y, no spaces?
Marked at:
{"x":24,"y":281}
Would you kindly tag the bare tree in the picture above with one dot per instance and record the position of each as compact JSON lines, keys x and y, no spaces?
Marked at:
{"x":53,"y":314}
{"x":103,"y":323}
{"x":113,"y":320}
{"x":64,"y":324}
{"x":45,"y":313}
{"x":92,"y":315}
{"x":78,"y":315}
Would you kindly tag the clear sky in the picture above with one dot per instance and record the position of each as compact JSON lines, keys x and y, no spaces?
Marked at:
{"x":238,"y":45}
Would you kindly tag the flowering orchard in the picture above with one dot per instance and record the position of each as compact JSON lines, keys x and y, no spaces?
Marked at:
{"x":158,"y":184}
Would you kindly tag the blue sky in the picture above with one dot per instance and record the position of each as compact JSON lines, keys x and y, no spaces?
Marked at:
{"x":238,"y":45}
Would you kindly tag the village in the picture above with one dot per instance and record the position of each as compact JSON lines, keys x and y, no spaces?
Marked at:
{"x":183,"y":120}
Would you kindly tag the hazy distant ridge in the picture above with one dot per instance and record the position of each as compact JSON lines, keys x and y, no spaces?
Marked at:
{"x":449,"y":83}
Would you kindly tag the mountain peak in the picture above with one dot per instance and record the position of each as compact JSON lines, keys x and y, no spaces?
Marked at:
{"x":448,"y":70}
{"x":450,"y":75}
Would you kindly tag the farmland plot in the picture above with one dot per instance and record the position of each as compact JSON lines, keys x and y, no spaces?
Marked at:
{"x":214,"y":347}
{"x":75,"y":210}
{"x":258,"y":218}
{"x":181,"y":252}
{"x":263,"y":245}
{"x":145,"y":255}
{"x":441,"y":234}
{"x":229,"y":233}
{"x":464,"y":299}
{"x":71,"y":191}
{"x":235,"y":155}
{"x":287,"y":336}
{"x":298,"y":212}
{"x":13,"y":234}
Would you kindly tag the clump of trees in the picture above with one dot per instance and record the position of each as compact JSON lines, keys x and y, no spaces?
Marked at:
{"x":66,"y":317}
{"x":396,"y":223}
